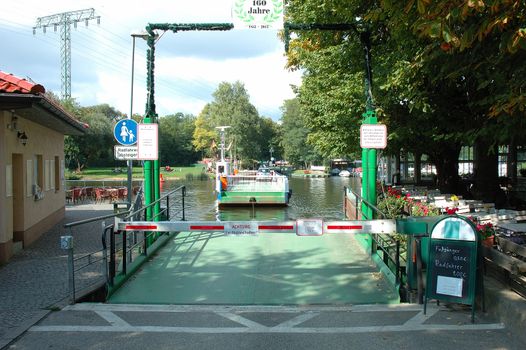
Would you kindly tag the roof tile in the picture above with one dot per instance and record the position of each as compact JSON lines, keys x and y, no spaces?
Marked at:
{"x":10,"y":83}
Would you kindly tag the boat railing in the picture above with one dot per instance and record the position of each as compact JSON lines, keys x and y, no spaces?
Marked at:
{"x":261,"y":183}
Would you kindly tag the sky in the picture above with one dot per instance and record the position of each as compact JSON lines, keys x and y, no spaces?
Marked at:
{"x":189,"y":65}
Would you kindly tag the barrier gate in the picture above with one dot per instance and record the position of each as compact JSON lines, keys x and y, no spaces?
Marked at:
{"x":153,"y":236}
{"x":300,"y":227}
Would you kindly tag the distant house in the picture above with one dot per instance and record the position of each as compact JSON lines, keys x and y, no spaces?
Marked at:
{"x":32,"y":129}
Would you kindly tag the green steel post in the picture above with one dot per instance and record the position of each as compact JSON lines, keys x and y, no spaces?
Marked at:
{"x":368,"y":155}
{"x":365,"y":188}
{"x":371,"y":182}
{"x":148,"y":182}
{"x":156,"y":189}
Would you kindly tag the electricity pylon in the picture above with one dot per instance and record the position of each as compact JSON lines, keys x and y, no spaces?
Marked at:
{"x":64,"y":21}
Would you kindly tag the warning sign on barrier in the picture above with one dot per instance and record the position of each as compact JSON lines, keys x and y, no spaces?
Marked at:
{"x":309,"y":227}
{"x":241,"y":228}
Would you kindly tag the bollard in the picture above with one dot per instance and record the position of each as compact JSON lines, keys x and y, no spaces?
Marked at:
{"x":66,"y":243}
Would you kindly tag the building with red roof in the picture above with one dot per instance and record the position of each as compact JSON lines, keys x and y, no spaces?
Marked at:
{"x":32,"y":193}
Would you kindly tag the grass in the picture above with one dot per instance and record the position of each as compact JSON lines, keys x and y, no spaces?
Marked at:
{"x":110,"y":173}
{"x":311,"y":172}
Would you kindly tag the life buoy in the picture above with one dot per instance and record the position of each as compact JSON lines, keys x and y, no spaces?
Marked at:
{"x":224,"y":183}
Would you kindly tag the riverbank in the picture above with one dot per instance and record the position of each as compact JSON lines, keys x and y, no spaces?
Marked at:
{"x":121,"y":173}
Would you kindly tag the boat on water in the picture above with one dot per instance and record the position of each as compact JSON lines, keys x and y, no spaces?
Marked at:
{"x":345,"y":173}
{"x":260,"y":188}
{"x":264,"y":187}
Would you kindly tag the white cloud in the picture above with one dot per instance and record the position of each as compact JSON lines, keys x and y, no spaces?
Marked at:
{"x":186,"y":74}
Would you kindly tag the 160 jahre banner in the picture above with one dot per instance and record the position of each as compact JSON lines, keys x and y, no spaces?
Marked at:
{"x":257,"y":14}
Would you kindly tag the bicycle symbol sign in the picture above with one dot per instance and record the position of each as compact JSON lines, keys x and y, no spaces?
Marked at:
{"x":125,"y":132}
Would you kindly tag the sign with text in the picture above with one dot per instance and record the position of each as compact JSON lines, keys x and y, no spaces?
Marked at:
{"x":147,"y":142}
{"x":452,"y":262}
{"x":257,"y":14}
{"x":309,"y":227}
{"x":241,"y":228}
{"x":125,"y":152}
{"x":373,"y":136}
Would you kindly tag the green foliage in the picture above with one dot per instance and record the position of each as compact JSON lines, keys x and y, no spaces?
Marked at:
{"x":250,"y":136}
{"x":96,"y":145}
{"x":175,"y":140}
{"x":445,"y":73}
{"x":296,"y":150}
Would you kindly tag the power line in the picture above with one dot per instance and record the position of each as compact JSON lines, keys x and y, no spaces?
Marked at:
{"x":64,"y":20}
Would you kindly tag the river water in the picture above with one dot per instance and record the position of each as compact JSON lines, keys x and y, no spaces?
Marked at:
{"x":311,"y":197}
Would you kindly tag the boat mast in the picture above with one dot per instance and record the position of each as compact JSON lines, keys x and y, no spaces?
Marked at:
{"x":222,"y":133}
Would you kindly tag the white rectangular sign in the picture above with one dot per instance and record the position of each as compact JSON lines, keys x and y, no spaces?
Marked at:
{"x":309,"y":227}
{"x":147,"y":142}
{"x":257,"y":14}
{"x":125,"y":152}
{"x":449,"y":286}
{"x":373,"y":136}
{"x":246,"y":228}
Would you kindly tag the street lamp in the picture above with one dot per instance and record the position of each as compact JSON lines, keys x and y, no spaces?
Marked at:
{"x":143,"y":36}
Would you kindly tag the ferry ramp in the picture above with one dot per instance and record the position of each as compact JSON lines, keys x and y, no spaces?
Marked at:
{"x":264,"y":269}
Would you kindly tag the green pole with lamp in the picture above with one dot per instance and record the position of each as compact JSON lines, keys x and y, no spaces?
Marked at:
{"x":150,"y":117}
{"x":368,"y":154}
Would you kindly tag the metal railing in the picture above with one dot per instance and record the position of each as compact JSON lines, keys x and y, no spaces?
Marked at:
{"x":126,"y":247}
{"x":256,"y":183}
{"x":91,"y":269}
{"x":386,"y":246}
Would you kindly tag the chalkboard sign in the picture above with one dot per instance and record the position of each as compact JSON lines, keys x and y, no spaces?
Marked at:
{"x":450,"y":268}
{"x":452,"y":264}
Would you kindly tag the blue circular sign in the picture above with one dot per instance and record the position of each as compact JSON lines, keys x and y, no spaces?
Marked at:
{"x":125,"y":132}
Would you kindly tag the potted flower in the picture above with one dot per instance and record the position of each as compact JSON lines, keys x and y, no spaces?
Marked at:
{"x":487,"y":234}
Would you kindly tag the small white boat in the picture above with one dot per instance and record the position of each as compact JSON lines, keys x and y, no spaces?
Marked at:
{"x":345,"y":173}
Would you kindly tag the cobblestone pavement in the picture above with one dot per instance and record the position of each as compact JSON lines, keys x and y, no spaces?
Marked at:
{"x":36,"y":278}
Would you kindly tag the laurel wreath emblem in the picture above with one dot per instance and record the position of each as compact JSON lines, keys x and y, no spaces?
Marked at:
{"x":275,"y":14}
{"x":241,"y":13}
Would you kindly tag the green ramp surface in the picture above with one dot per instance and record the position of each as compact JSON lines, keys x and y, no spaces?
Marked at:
{"x":266,"y":269}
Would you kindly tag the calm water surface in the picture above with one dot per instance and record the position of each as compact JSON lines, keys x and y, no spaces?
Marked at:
{"x":311,"y":197}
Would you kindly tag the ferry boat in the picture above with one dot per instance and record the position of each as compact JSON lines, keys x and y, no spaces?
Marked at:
{"x":265,"y":187}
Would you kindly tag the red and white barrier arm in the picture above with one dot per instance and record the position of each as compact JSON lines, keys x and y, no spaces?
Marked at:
{"x":301,"y":227}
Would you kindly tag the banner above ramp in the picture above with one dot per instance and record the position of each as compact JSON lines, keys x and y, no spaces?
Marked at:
{"x":257,"y":14}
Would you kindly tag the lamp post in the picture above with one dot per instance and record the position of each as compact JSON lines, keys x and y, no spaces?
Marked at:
{"x":143,"y":36}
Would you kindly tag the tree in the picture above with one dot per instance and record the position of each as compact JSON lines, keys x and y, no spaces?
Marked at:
{"x":175,"y":139}
{"x":204,"y":137}
{"x":446,"y":73}
{"x":96,"y":145}
{"x":231,"y":107}
{"x":296,"y":149}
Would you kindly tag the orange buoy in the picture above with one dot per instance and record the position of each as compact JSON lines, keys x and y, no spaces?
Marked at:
{"x":224,"y":183}
{"x":161,"y":178}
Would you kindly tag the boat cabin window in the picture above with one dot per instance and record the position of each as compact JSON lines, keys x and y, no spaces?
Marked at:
{"x":221,"y":169}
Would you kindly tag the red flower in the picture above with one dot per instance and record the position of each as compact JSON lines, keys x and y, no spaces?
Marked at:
{"x":451,"y":211}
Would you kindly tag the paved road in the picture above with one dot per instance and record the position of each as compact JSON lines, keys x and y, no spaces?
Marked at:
{"x":104,"y":326}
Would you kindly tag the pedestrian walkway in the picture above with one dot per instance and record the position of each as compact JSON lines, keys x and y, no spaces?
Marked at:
{"x":35,"y":279}
{"x":265,"y":269}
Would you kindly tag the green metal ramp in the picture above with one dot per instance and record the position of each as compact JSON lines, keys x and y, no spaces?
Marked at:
{"x":267,"y":269}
